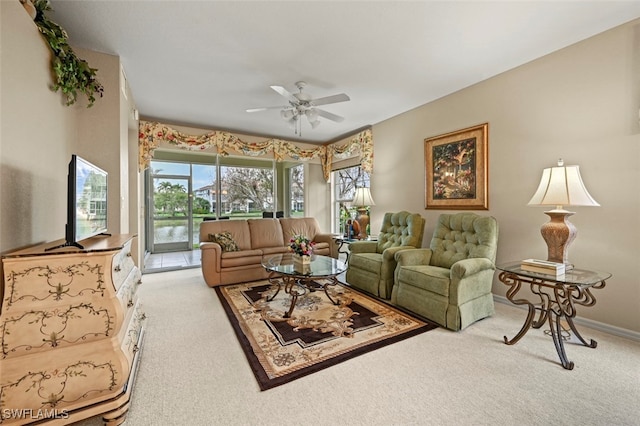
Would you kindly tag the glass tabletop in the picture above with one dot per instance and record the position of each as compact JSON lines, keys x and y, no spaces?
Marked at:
{"x":320,"y":266}
{"x":574,"y":276}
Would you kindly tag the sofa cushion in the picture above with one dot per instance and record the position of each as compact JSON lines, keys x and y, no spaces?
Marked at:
{"x":425,"y":277}
{"x":239,"y":230}
{"x":370,"y":262}
{"x":463,"y":236}
{"x":400,"y":229}
{"x":307,"y":226}
{"x":274,"y":250}
{"x":265,"y":233}
{"x":225,"y":240}
{"x":241,"y":258}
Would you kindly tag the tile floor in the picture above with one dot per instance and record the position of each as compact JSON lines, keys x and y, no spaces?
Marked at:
{"x":160,"y":262}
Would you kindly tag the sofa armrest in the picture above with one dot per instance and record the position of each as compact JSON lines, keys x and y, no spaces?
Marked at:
{"x":329,"y":239}
{"x":363,"y":247}
{"x":210,"y":254}
{"x":467,"y":267}
{"x":413,"y":256}
{"x":470,"y":279}
{"x":390,"y":252}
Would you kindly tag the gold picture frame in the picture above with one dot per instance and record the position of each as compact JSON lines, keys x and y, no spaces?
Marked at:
{"x":457,"y":169}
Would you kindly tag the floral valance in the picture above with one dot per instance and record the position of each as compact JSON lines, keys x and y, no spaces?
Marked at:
{"x":152,"y":134}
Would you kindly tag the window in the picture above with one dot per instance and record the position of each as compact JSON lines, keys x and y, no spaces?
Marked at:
{"x":246,"y":191}
{"x":182,"y":191}
{"x":345,"y":182}
{"x":204,"y":193}
{"x":296,"y":191}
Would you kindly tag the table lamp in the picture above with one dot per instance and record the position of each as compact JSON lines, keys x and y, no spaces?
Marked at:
{"x":560,"y":186}
{"x":361,"y":200}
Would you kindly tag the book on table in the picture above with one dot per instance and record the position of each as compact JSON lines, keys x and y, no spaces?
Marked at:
{"x":543,"y":267}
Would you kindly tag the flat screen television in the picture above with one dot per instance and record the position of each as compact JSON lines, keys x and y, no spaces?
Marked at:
{"x":86,"y":202}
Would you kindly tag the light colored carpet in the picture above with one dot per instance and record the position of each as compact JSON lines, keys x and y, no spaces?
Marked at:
{"x":194,"y":372}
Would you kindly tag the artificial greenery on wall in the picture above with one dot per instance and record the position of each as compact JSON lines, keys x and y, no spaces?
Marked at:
{"x":72,"y":74}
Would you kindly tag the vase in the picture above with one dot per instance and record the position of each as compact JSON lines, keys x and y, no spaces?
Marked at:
{"x":304,"y":259}
{"x":302,"y":263}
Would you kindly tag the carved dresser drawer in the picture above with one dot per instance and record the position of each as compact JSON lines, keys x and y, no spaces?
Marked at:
{"x":127,"y":291}
{"x":132,"y":338}
{"x":71,"y":327}
{"x":73,"y":378}
{"x":122,"y":265}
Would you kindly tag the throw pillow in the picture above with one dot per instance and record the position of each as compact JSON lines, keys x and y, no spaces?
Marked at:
{"x":225,"y":240}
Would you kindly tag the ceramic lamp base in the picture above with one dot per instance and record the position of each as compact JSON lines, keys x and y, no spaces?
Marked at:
{"x":558,"y":233}
{"x":363,"y":222}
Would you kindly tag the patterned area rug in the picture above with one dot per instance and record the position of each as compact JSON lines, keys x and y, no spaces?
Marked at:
{"x":317,"y":335}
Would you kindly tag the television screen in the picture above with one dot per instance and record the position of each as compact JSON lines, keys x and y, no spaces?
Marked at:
{"x":87,"y":214}
{"x":86,"y":203}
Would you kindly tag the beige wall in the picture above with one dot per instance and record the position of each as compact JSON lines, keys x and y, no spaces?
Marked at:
{"x":38,"y":134}
{"x":581,"y":104}
{"x":317,"y":196}
{"x":99,"y":135}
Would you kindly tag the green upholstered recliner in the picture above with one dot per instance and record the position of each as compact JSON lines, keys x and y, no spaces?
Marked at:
{"x":372,"y":263}
{"x":450,"y":282}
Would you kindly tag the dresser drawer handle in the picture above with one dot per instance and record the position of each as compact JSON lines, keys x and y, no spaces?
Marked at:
{"x":130,"y":304}
{"x":135,"y":349}
{"x":129,"y":254}
{"x":139,"y":281}
{"x":117,"y":268}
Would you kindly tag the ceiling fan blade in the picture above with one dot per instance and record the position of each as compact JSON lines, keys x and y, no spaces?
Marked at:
{"x":331,"y":99}
{"x":264,"y":108}
{"x":330,"y":116}
{"x":284,"y":92}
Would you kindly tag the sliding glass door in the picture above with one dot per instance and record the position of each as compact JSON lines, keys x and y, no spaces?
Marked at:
{"x":170,"y":222}
{"x":181,"y":194}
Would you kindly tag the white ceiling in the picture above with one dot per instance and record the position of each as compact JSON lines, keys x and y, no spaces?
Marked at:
{"x":203,"y":63}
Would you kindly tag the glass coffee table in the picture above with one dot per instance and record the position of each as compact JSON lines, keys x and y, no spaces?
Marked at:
{"x":284,"y":274}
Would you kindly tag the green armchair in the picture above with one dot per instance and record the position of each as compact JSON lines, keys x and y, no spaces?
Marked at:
{"x":450,"y":282}
{"x":372,"y":263}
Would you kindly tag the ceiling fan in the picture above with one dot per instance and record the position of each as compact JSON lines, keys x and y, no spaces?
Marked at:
{"x":303,"y":104}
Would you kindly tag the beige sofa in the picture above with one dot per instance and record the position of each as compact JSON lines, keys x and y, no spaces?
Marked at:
{"x":256,"y":239}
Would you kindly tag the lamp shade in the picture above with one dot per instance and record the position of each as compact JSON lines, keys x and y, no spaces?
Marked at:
{"x":363,"y":198}
{"x":562,"y":186}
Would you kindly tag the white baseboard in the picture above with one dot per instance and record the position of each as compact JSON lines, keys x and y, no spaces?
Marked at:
{"x":606,"y":328}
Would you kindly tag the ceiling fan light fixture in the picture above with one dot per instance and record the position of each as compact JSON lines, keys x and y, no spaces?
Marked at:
{"x":286,"y":114}
{"x":292,"y":122}
{"x":314,"y":124}
{"x":312,"y":114}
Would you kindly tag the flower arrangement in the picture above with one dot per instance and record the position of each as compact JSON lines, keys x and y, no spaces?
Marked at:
{"x":300,"y":245}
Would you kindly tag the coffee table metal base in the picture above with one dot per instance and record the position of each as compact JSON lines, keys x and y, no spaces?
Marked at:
{"x":299,"y":285}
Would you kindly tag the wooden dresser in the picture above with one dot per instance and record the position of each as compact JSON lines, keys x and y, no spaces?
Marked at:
{"x":71,"y":327}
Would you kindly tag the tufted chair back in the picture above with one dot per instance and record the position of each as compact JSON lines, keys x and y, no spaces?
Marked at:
{"x":463,"y":236}
{"x":400,"y":229}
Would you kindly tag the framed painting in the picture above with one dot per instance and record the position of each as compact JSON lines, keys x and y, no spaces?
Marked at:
{"x":456,"y":169}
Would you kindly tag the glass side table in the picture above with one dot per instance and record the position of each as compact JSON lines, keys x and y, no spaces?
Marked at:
{"x":558,"y":299}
